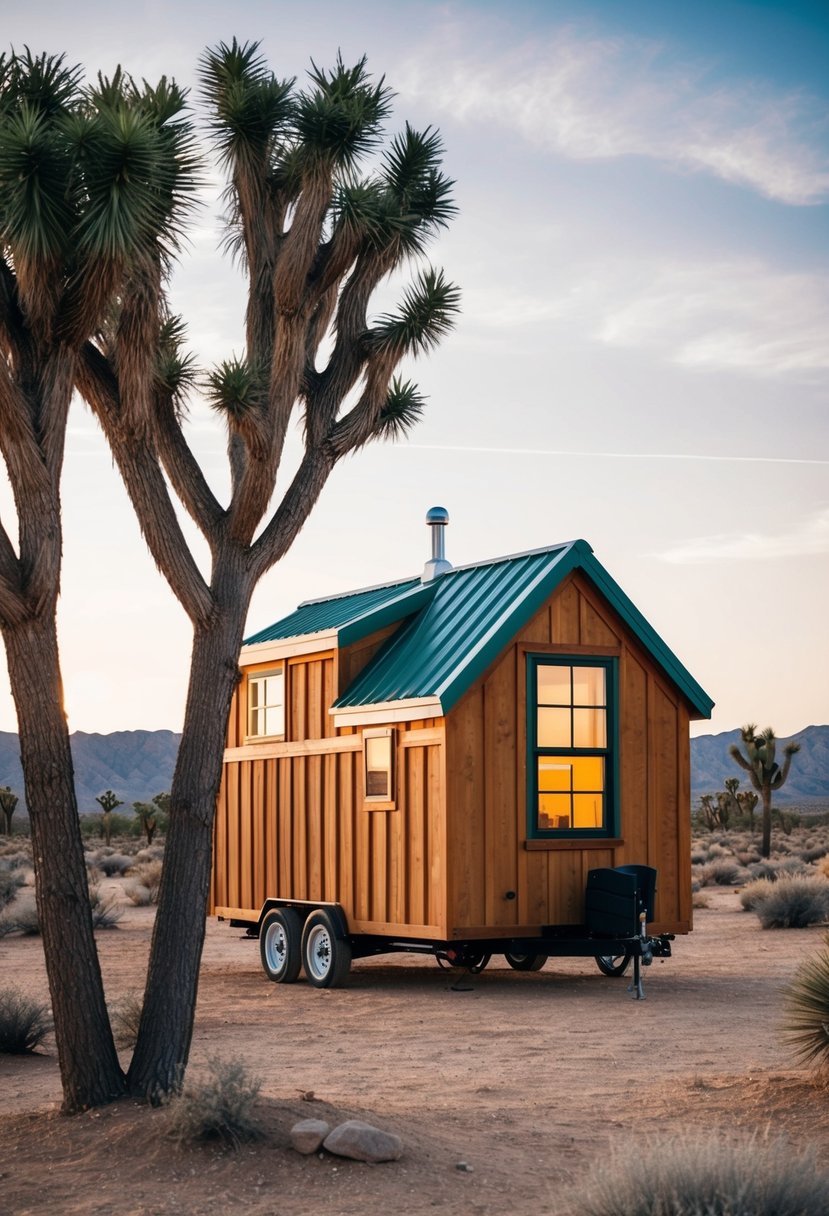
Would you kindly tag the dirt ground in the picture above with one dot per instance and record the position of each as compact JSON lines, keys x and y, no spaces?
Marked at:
{"x":523,"y":1080}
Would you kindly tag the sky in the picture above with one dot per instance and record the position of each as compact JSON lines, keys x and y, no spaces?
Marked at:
{"x":642,"y":358}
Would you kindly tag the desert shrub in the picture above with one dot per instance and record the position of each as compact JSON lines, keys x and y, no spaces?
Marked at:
{"x":105,"y":912}
{"x":717,"y":850}
{"x":698,"y":856}
{"x":113,"y":864}
{"x":795,"y":903}
{"x":777,"y":867}
{"x":813,"y":852}
{"x":147,"y":875}
{"x":700,"y":900}
{"x":12,"y":857}
{"x":10,"y":883}
{"x":138,"y":894}
{"x":807,"y":1011}
{"x":708,"y":1177}
{"x":724,"y":872}
{"x":220,"y":1107}
{"x":753,"y":893}
{"x":24,"y":1023}
{"x":125,"y":1018}
{"x":152,"y":852}
{"x":823,"y":867}
{"x":21,"y":917}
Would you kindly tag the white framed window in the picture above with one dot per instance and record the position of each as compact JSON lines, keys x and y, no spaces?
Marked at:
{"x":266,"y":704}
{"x":378,"y":769}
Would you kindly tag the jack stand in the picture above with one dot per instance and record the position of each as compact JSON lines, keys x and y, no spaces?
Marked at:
{"x":636,"y":986}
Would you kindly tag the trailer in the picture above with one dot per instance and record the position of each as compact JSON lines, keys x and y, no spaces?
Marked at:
{"x":488,"y":759}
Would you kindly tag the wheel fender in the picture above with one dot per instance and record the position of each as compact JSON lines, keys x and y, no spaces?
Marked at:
{"x":305,"y":908}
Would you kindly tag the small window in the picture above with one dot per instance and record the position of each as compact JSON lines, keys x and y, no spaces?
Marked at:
{"x":266,"y":704}
{"x":378,"y":768}
{"x":571,"y":743}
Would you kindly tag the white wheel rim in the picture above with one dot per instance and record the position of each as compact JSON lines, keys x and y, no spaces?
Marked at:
{"x":276,"y":947}
{"x":318,"y":952}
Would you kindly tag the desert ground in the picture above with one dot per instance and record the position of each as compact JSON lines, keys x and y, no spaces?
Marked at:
{"x":506,"y":1088}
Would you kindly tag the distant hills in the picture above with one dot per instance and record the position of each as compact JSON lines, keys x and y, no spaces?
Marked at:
{"x":808,"y":778}
{"x":139,"y":763}
{"x":135,"y":764}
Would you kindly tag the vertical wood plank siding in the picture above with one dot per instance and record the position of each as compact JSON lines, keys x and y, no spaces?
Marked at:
{"x":451,"y":857}
{"x":295,"y":825}
{"x":487,"y":779}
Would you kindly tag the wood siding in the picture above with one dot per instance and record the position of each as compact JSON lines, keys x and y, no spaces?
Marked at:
{"x":452,"y":859}
{"x":496,"y":880}
{"x":291,"y":821}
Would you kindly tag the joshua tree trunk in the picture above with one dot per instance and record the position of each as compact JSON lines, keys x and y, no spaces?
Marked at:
{"x":90,"y":1072}
{"x":166,"y":1027}
{"x":765,"y":848}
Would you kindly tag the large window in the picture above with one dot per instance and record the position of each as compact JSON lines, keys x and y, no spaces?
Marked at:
{"x":266,"y":703}
{"x":570,"y":737}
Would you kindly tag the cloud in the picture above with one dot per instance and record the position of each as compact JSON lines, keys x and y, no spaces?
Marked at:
{"x":809,"y":539}
{"x":737,"y":315}
{"x":589,"y":98}
{"x":730,"y":314}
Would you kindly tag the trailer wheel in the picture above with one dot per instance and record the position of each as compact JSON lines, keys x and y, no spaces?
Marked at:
{"x":325,"y":956}
{"x":613,"y":964}
{"x":280,"y":945}
{"x":526,"y":962}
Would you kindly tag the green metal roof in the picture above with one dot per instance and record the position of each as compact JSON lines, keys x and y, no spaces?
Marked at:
{"x":323,"y":616}
{"x":454,"y":627}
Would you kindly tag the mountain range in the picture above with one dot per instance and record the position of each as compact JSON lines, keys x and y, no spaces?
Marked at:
{"x":137,"y":764}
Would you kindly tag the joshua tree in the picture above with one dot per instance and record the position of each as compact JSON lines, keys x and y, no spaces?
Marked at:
{"x":82,"y":299}
{"x":748,"y":801}
{"x":148,"y":813}
{"x":765,"y":774}
{"x":8,"y":801}
{"x":93,"y":183}
{"x":108,"y":802}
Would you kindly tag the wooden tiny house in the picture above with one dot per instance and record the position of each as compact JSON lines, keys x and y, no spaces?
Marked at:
{"x":434,"y":764}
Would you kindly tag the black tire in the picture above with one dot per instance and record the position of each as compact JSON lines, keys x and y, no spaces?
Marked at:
{"x":613,"y":964}
{"x":526,"y":962}
{"x":326,"y":957}
{"x":280,"y":945}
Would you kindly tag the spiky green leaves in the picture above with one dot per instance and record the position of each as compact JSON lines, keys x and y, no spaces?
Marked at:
{"x":807,"y":1010}
{"x":237,"y":390}
{"x":92,"y":181}
{"x":402,"y":411}
{"x":249,"y":105}
{"x":340,"y":120}
{"x":426,"y":314}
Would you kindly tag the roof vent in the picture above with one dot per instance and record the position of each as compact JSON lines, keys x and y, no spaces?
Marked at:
{"x":437,"y":518}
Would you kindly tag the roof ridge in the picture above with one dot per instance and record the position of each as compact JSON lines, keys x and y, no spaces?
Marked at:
{"x":488,"y":561}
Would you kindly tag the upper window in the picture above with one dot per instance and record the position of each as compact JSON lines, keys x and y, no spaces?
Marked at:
{"x":570,"y":739}
{"x":266,"y":703}
{"x":378,"y":768}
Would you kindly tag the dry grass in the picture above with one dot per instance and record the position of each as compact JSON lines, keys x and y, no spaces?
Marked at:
{"x":707,"y":1177}
{"x":221,"y":1107}
{"x":24,"y":1023}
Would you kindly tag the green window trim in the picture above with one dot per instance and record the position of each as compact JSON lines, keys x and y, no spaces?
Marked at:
{"x":572,"y":747}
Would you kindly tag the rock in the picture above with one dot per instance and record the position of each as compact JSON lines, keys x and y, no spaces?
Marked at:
{"x":308,"y":1134}
{"x":362,"y":1142}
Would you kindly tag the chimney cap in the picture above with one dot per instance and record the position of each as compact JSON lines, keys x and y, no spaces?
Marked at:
{"x":437,"y":515}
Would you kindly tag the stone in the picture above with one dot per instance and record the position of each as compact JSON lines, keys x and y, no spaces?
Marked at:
{"x":308,"y":1135}
{"x":363,"y":1142}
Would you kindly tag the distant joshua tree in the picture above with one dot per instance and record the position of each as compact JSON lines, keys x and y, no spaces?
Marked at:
{"x":766,"y":775}
{"x":8,"y":801}
{"x":108,"y":802}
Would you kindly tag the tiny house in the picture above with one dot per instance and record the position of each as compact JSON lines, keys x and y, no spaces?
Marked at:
{"x":452,"y":763}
